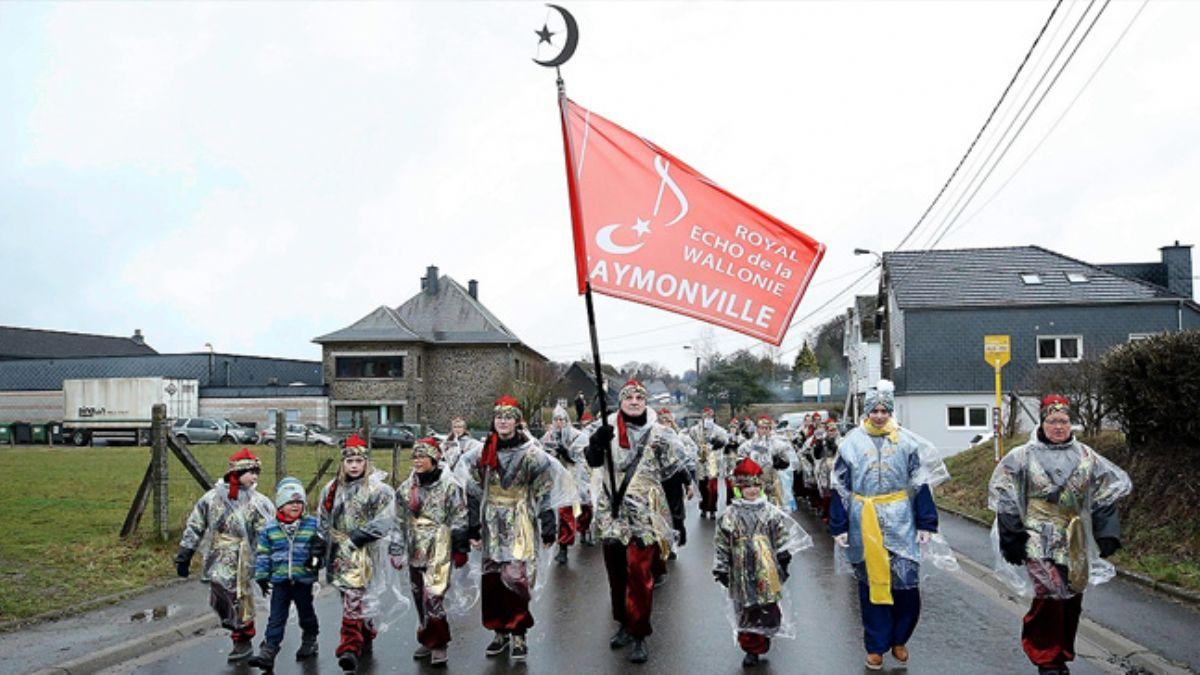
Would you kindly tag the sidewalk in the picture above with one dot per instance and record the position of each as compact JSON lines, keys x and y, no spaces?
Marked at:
{"x":1160,"y":623}
{"x":48,"y":644}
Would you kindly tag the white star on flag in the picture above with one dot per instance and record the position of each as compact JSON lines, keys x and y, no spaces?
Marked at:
{"x":642,"y":227}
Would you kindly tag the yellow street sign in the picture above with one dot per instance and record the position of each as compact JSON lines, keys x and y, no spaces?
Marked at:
{"x":996,"y":350}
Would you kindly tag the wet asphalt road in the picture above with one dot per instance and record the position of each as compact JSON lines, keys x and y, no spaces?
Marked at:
{"x":963,"y":629}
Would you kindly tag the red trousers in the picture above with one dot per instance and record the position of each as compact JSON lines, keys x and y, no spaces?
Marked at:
{"x":506,"y":610}
{"x":1048,"y":634}
{"x":630,"y":571}
{"x":433,"y":631}
{"x":569,"y":525}
{"x":765,"y":620}
{"x":243,"y":634}
{"x":356,"y":633}
{"x":708,"y":495}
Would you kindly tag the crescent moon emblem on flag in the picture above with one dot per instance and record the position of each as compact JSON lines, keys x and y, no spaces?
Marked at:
{"x":571,"y":43}
{"x":605,"y":242}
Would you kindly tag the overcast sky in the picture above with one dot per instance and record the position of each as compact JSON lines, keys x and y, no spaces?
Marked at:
{"x":257,"y":175}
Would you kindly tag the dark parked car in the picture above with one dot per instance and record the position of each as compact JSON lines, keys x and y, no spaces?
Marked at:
{"x":394,"y":436}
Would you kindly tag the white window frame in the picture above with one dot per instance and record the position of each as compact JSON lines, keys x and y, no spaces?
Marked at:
{"x":1135,"y":337}
{"x":966,"y":426}
{"x":1037,"y":347}
{"x":1031,"y":278}
{"x":1077,"y":277}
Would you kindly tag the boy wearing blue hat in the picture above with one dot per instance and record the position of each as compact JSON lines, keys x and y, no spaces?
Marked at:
{"x":289,"y":556}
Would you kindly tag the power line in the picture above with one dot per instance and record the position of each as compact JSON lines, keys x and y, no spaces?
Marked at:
{"x":981,"y":129}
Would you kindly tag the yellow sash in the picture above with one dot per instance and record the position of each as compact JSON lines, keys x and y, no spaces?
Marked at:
{"x":438,"y":565}
{"x":1068,"y":518}
{"x":879,"y":571}
{"x":524,"y":544}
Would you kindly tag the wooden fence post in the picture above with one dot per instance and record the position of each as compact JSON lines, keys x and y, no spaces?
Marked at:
{"x":159,"y":461}
{"x":280,"y":448}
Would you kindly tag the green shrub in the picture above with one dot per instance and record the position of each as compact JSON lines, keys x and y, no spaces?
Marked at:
{"x":1153,"y":388}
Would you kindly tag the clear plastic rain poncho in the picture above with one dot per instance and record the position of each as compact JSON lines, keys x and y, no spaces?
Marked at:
{"x":708,"y":459}
{"x":1057,"y":491}
{"x":363,"y":575}
{"x":750,"y":536}
{"x":431,"y":525}
{"x":653,"y":454}
{"x":886,"y":480}
{"x":514,"y":507}
{"x":226,"y":533}
{"x":560,"y":444}
{"x":454,"y":448}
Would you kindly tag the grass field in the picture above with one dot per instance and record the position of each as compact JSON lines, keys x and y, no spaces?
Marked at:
{"x":1160,"y":533}
{"x":62,"y":508}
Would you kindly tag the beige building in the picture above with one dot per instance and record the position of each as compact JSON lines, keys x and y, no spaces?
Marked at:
{"x":440,"y":354}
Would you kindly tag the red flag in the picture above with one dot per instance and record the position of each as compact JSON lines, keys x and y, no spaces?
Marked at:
{"x":651,"y":229}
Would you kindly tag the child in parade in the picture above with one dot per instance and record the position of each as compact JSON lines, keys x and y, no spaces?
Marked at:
{"x":431,"y":538}
{"x":288,"y":558}
{"x":232,"y":512}
{"x":576,"y":517}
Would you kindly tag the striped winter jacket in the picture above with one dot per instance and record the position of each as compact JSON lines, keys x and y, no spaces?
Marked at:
{"x":282,"y":556}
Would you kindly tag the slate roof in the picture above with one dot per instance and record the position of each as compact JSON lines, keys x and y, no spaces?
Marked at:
{"x":33,"y":343}
{"x":448,"y":316}
{"x":988,"y":277}
{"x":243,"y":371}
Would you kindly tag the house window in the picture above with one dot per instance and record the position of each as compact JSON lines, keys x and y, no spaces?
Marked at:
{"x":1076,"y":277}
{"x":967,"y":417}
{"x":291,"y":415}
{"x":369,"y":367}
{"x":1059,"y":348}
{"x":352,"y":416}
{"x":1031,"y":279}
{"x":420,"y":370}
{"x":1138,"y":337}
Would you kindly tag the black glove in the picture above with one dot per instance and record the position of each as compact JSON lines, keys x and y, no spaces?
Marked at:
{"x":549,"y":523}
{"x":361,"y":538}
{"x":183,"y":560}
{"x":265,"y":587}
{"x":1013,"y":538}
{"x":780,"y":463}
{"x":784,"y":559}
{"x":717,"y":444}
{"x":1108,"y":546}
{"x":600,"y":439}
{"x":721,"y":578}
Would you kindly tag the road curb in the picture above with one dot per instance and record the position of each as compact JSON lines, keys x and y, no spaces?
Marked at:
{"x":1168,"y":589}
{"x":87,"y":606}
{"x":1125,"y":650}
{"x":143,"y":644}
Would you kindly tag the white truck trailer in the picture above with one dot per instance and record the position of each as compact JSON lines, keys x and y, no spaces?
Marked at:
{"x":118,"y":408}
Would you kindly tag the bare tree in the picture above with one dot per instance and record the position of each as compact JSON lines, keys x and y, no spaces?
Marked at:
{"x":1080,"y":383}
{"x":535,"y":389}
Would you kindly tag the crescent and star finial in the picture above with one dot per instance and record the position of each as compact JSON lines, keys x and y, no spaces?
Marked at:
{"x":572,"y":41}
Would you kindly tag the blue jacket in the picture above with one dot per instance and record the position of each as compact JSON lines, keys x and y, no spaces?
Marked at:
{"x":281,"y":556}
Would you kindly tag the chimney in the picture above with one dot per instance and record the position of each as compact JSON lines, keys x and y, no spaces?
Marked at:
{"x":1177,"y":263}
{"x":429,"y":283}
{"x":473,"y":289}
{"x":137,"y":337}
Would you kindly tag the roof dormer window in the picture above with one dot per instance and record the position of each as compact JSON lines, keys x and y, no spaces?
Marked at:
{"x":1031,"y":279}
{"x":1076,"y":277}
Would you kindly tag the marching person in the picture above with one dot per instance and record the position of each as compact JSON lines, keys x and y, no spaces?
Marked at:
{"x":357,"y":512}
{"x":431,"y":538}
{"x":512,"y":503}
{"x":288,"y":558}
{"x":1056,"y":517}
{"x":643,"y":452}
{"x":882,"y":511}
{"x":576,"y":517}
{"x":753,"y":546}
{"x":729,"y":458}
{"x":233,"y":513}
{"x":580,"y":406}
{"x":824,"y":456}
{"x":770,"y":453}
{"x":678,"y":484}
{"x":710,"y":438}
{"x":457,"y":442}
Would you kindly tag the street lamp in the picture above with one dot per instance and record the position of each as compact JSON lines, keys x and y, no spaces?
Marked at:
{"x":210,"y":362}
{"x":697,"y":361}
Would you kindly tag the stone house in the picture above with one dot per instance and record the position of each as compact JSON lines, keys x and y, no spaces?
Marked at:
{"x":439,"y":354}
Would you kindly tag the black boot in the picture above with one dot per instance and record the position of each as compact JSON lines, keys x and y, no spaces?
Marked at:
{"x":620,"y":639}
{"x":518,"y":650}
{"x":265,"y":658}
{"x":750,"y":660}
{"x":561,"y":557}
{"x":242,"y":650}
{"x":639,"y":653}
{"x":348,"y":662}
{"x":308,"y":647}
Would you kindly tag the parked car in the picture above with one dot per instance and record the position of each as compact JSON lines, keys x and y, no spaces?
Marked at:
{"x":793,"y":421}
{"x":394,"y":435}
{"x":300,"y":434}
{"x":211,"y":430}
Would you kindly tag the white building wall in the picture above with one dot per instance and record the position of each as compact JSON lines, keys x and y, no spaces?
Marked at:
{"x":926,"y":415}
{"x":311,"y":408}
{"x":31,"y":406}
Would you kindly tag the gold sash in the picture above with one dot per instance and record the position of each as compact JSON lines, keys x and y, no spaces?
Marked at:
{"x":879,"y":570}
{"x":766,"y":562}
{"x":438,"y":564}
{"x":360,"y":570}
{"x":523,"y":547}
{"x":1068,"y":519}
{"x":245,"y":572}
